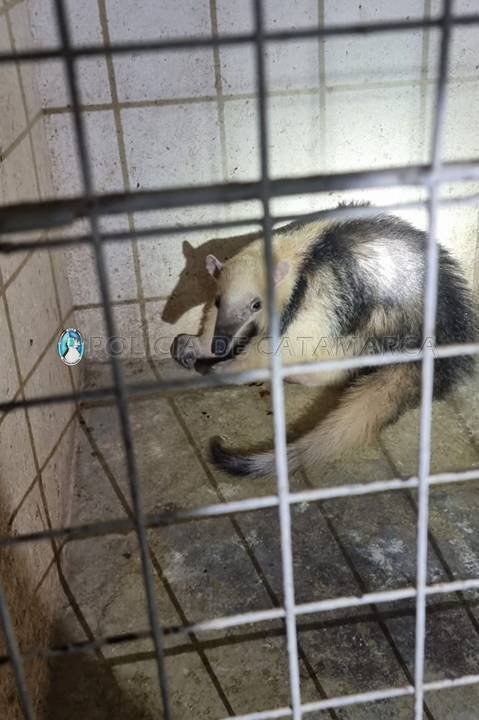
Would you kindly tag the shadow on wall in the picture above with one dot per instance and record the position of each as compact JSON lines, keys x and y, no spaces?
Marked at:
{"x":195,"y":286}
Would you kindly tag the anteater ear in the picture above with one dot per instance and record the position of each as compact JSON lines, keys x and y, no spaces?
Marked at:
{"x":213,"y":265}
{"x":280,"y":272}
{"x":188,"y":249}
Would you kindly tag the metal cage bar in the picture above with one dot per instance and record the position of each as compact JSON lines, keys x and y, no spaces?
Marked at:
{"x":235,"y":39}
{"x":165,"y":386}
{"x":50,"y":214}
{"x":253,"y":617}
{"x":277,"y":380}
{"x":14,"y":656}
{"x":427,"y":379}
{"x":99,"y":528}
{"x":56,"y":213}
{"x":119,"y":383}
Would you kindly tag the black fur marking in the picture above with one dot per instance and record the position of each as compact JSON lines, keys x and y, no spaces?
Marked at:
{"x":229,"y":462}
{"x":357,"y":295}
{"x":295,"y":302}
{"x":332,"y":248}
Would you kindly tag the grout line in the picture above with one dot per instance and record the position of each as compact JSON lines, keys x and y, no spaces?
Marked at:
{"x":144,"y":323}
{"x":22,"y":382}
{"x":434,"y":542}
{"x":47,"y":460}
{"x":363,"y":589}
{"x":225,"y":640}
{"x":9,"y":6}
{"x":129,"y":104}
{"x":243,"y":541}
{"x":155,"y":562}
{"x":305,"y":627}
{"x":475,"y":277}
{"x":41,"y":356}
{"x":424,"y":82}
{"x":56,"y":554}
{"x":235,"y":97}
{"x":124,"y":166}
{"x":322,"y":88}
{"x":4,"y":154}
{"x":126,"y":301}
{"x":16,"y":272}
{"x":47,"y":347}
{"x":116,"y":303}
{"x":220,"y":105}
{"x":43,"y":578}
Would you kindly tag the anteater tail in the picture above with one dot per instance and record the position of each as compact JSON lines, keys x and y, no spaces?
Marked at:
{"x":254,"y":465}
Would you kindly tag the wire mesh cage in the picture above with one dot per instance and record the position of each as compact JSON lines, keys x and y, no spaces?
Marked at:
{"x":47,"y":215}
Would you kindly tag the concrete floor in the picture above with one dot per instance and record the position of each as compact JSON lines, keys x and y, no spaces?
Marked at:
{"x":228,"y":565}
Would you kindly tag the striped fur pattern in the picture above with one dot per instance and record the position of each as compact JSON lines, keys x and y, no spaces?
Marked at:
{"x":348,"y":287}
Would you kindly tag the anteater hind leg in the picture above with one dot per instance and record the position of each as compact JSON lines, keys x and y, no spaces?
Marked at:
{"x":369,"y":404}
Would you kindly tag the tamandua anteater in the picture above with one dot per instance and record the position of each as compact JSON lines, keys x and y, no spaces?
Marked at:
{"x":342,"y":288}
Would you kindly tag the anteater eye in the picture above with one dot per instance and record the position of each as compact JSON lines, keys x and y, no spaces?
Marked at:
{"x":256,"y":305}
{"x":217,"y":301}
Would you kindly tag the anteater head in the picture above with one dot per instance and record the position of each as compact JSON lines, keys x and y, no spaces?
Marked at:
{"x":240,"y":297}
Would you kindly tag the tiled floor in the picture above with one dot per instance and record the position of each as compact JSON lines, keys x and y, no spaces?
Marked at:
{"x":232,"y":564}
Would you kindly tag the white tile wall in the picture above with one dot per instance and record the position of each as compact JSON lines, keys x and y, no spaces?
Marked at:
{"x":90,"y":321}
{"x":294,"y":137}
{"x":85,"y":29}
{"x":235,"y":17}
{"x":103,"y":148}
{"x":16,"y":466}
{"x":353,"y":60}
{"x":41,"y":153}
{"x":242,"y":151}
{"x":19,"y":176}
{"x":372,"y":128}
{"x":93,"y":84}
{"x":463,"y":55}
{"x":341,"y":13}
{"x":289,"y":65}
{"x":17,"y":183}
{"x":33,"y":323}
{"x":163,"y":74}
{"x":22,"y":37}
{"x":8,"y":376}
{"x":386,"y":57}
{"x":48,"y":421}
{"x":177,"y":145}
{"x":12,"y":115}
{"x":373,"y":111}
{"x":32,"y":305}
{"x":460,"y":138}
{"x":120,"y":267}
{"x":31,"y":515}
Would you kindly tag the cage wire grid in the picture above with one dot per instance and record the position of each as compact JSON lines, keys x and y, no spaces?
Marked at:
{"x":50,"y":214}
